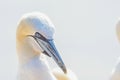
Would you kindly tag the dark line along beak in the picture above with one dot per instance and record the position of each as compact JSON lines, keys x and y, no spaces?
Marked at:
{"x":49,"y":49}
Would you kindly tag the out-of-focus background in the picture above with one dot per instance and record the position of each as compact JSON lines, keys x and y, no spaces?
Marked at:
{"x":85,"y":34}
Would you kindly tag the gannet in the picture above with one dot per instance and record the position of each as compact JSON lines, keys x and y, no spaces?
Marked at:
{"x":116,"y":71}
{"x":34,"y":40}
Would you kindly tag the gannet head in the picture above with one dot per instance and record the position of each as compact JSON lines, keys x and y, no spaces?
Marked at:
{"x":36,"y":30}
{"x":118,"y":29}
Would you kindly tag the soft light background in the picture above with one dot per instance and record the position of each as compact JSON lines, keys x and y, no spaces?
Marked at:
{"x":85,"y":34}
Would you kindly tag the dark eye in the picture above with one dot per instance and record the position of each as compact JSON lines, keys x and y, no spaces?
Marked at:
{"x":37,"y":34}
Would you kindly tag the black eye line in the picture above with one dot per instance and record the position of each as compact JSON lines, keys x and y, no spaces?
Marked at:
{"x":42,"y":37}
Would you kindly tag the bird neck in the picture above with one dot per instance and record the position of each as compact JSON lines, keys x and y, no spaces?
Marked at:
{"x":26,"y":50}
{"x":32,"y":64}
{"x":26,"y":56}
{"x":35,"y":69}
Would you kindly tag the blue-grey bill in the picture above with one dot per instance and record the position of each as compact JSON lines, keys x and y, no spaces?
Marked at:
{"x":50,"y":49}
{"x":57,"y":57}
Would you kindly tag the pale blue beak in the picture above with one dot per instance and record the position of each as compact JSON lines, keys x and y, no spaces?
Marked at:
{"x":49,"y":49}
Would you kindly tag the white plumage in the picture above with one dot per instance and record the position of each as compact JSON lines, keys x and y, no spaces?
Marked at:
{"x":41,"y":23}
{"x":36,"y":69}
{"x":34,"y":38}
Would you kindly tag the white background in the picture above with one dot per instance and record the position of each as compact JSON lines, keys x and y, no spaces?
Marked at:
{"x":85,"y":34}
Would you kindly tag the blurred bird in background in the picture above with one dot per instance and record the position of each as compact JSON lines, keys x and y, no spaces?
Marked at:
{"x":116,"y":71}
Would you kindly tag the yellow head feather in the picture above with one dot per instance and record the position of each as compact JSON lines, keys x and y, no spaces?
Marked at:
{"x":23,"y":30}
{"x":26,"y":46}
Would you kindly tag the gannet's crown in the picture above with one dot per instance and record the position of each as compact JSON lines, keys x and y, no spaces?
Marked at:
{"x":41,"y":23}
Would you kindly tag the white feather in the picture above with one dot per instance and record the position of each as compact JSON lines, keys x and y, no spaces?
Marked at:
{"x":41,"y":23}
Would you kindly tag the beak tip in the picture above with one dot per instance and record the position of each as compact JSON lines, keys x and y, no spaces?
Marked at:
{"x":64,"y":69}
